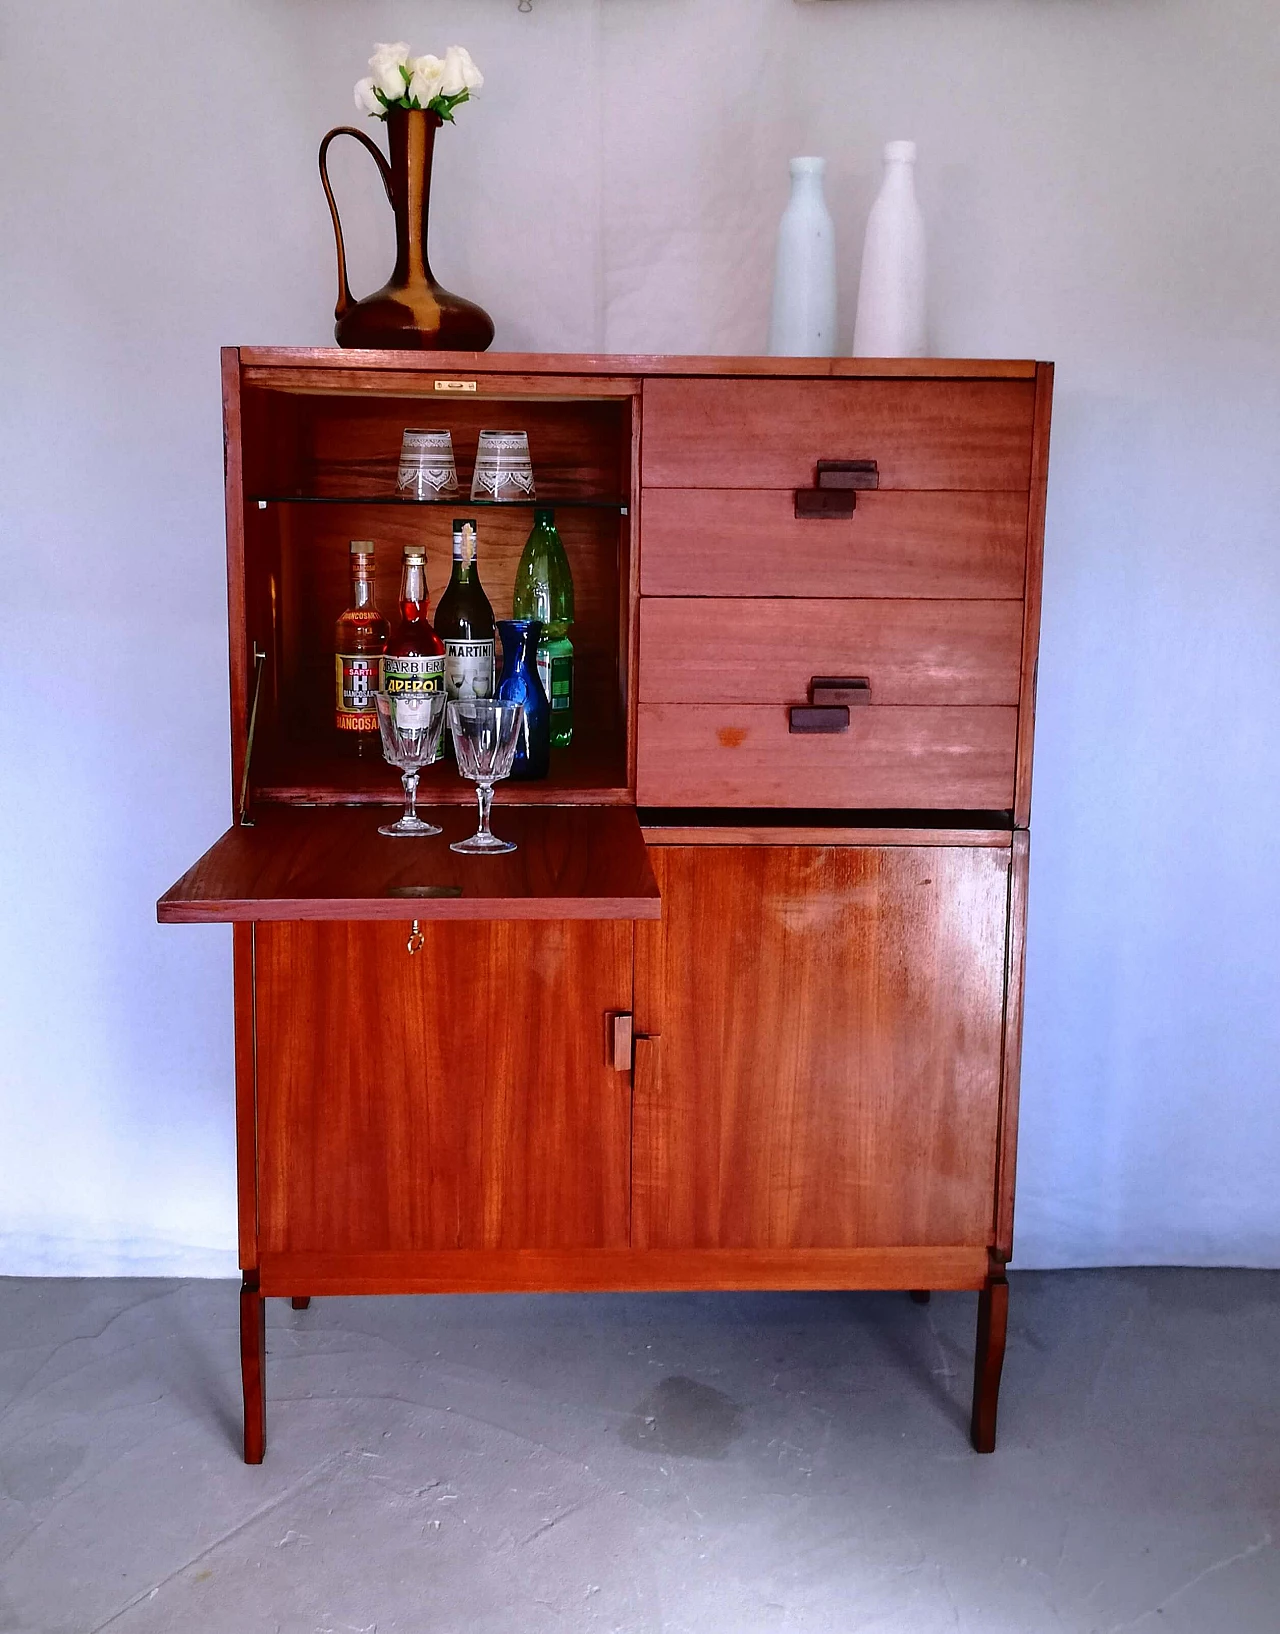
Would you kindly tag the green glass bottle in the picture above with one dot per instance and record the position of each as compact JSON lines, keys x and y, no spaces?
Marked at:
{"x":544,"y":590}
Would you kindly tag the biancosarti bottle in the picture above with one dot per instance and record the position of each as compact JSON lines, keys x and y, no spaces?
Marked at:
{"x":414,"y":658}
{"x":544,"y":591}
{"x":522,"y":684}
{"x":803,"y":322}
{"x":360,"y":638}
{"x":891,"y":291}
{"x":464,"y":621}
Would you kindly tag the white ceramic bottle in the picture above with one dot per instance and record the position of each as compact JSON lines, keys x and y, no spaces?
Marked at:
{"x":804,"y":283}
{"x":891,"y":293}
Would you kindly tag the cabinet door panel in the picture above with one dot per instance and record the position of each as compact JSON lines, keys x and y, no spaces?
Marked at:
{"x":457,"y":1098}
{"x":825,"y":1064}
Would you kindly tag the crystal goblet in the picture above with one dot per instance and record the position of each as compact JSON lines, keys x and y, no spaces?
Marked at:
{"x":485,"y":733}
{"x":410,"y":724}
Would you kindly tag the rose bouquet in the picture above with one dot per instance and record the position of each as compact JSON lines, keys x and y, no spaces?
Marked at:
{"x":438,"y":84}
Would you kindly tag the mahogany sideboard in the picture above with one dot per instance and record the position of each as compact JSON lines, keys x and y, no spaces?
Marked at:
{"x":744,"y":1008}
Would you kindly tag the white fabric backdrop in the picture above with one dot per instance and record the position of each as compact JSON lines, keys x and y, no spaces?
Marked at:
{"x":1100,"y":182}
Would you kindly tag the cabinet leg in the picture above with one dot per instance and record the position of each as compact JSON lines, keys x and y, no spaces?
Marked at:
{"x":993,"y":1322}
{"x":253,"y":1357}
{"x":920,"y":1296}
{"x":300,"y":1301}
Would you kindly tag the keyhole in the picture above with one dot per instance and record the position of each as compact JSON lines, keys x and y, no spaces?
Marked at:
{"x":416,"y":940}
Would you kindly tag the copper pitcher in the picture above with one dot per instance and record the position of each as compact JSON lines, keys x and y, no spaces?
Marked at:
{"x":410,"y":311}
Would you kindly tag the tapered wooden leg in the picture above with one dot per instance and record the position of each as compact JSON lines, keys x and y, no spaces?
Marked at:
{"x":253,"y":1357}
{"x":920,"y":1296}
{"x":993,"y":1321}
{"x":300,"y":1301}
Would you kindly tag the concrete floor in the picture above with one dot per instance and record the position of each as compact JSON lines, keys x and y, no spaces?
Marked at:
{"x":719,"y":1464}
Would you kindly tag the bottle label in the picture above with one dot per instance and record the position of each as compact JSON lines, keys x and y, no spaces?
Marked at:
{"x":357,"y":681}
{"x":416,"y":672}
{"x":468,"y":669}
{"x":560,"y":691}
{"x":464,"y":547}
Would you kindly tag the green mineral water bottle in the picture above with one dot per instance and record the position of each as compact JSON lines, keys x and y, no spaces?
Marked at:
{"x":544,"y":590}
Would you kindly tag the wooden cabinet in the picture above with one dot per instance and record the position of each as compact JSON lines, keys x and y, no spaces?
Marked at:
{"x":743,"y":1009}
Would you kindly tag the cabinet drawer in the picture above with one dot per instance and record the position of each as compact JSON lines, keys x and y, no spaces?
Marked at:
{"x":945,"y":758}
{"x":749,"y":542}
{"x":709,"y":650}
{"x":959,"y":434}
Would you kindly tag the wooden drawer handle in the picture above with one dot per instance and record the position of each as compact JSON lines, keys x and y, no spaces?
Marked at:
{"x":840,"y":689}
{"x":848,"y":474}
{"x":836,"y":491}
{"x":825,"y":504}
{"x":819,"y":717}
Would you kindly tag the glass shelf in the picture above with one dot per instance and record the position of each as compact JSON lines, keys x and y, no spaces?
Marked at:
{"x":549,"y":502}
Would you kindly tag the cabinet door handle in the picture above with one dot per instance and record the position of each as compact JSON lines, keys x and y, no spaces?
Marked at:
{"x":819,"y":717}
{"x":840,"y":689}
{"x":620,"y":1040}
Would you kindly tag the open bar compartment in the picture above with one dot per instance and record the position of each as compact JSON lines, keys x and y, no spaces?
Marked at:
{"x":342,"y":447}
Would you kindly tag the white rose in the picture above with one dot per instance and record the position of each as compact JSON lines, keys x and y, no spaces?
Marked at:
{"x":460,"y":73}
{"x":428,"y":76}
{"x":366,"y":101}
{"x":386,"y":62}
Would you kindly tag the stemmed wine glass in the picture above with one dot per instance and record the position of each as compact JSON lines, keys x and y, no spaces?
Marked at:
{"x":485,"y":732}
{"x":411,"y":724}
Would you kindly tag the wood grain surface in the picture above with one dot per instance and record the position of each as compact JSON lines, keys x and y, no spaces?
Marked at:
{"x":1033,"y":591}
{"x":748,"y":542}
{"x":460,"y":1097}
{"x":746,"y":834}
{"x":822,"y":1066}
{"x":712,"y":651}
{"x":771,"y":433}
{"x":953,"y":758}
{"x":579,"y":862}
{"x":246,"y":1069}
{"x":319,"y":363}
{"x":1011,"y":1058}
{"x":589,"y":1270}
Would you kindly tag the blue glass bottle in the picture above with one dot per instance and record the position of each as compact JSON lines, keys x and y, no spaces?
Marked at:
{"x":521,"y":684}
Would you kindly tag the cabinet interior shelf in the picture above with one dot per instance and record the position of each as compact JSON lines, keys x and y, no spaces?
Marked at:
{"x":307,"y":771}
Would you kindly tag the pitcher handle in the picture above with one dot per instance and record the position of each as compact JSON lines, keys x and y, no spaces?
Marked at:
{"x":344,"y":294}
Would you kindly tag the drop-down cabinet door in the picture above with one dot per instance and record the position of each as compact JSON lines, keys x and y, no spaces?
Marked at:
{"x":820,"y":1055}
{"x":425,"y":1038}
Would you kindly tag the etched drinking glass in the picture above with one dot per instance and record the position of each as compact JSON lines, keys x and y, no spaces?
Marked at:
{"x":485,"y":734}
{"x":411,"y":724}
{"x":427,"y":468}
{"x":503,"y":470}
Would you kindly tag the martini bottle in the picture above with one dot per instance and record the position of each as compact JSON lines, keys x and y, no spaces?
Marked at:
{"x":464,"y":622}
{"x":544,"y":590}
